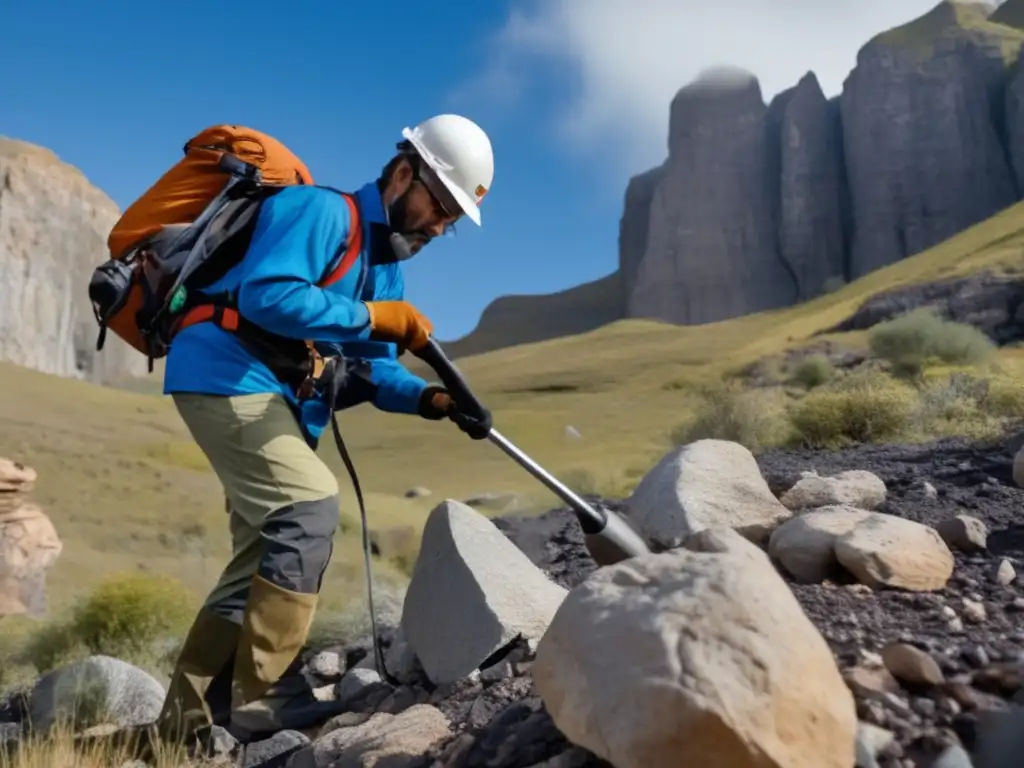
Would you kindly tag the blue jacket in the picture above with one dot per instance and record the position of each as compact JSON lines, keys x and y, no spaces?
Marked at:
{"x":297,"y":241}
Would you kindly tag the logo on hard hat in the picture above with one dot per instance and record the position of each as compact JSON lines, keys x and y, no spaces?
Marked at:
{"x":481,"y":190}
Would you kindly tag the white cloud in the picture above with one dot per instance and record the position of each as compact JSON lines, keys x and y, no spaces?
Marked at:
{"x":624,"y":60}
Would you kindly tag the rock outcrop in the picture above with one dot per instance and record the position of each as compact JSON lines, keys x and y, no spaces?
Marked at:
{"x":759,"y":207}
{"x":53,"y":231}
{"x":711,"y":243}
{"x":991,"y":303}
{"x":29,"y":544}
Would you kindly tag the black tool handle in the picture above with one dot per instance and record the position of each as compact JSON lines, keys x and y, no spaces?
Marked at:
{"x":451,"y":377}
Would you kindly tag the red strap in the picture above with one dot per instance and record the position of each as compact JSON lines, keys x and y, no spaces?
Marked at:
{"x":355,"y":245}
{"x":225,"y":317}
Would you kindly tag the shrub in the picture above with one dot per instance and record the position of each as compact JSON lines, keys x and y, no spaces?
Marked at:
{"x":864,"y":409}
{"x":813,"y":371}
{"x":1004,"y":399}
{"x":952,"y":406}
{"x":124,"y":617}
{"x":909,"y":342}
{"x":752,"y":419}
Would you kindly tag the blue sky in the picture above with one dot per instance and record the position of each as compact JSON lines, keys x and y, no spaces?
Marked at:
{"x":572,"y":100}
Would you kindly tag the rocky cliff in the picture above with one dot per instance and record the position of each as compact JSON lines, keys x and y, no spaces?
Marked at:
{"x":759,"y":206}
{"x":53,"y":230}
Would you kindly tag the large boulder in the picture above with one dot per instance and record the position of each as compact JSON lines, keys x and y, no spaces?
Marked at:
{"x":698,"y":656}
{"x":708,"y":483}
{"x":472,"y":593}
{"x":885,"y":550}
{"x":855,"y":487}
{"x":805,"y":545}
{"x":98,"y":690}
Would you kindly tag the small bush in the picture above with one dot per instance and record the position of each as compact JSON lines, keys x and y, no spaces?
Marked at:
{"x":1005,"y":399}
{"x":952,"y":406}
{"x":813,"y":371}
{"x":909,"y":342}
{"x":124,"y":617}
{"x":865,"y":409}
{"x":752,"y":419}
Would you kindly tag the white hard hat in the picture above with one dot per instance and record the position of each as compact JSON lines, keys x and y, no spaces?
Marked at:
{"x":459,"y":152}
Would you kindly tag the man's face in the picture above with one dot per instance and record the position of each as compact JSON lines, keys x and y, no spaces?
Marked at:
{"x":423,"y":208}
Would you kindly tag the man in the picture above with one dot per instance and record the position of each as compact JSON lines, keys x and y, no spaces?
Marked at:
{"x":260,"y":436}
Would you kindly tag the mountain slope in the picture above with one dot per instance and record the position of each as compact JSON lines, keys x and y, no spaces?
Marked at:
{"x":512,"y":320}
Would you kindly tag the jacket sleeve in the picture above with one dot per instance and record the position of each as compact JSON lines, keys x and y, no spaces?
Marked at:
{"x":297,"y":237}
{"x":394,"y":389}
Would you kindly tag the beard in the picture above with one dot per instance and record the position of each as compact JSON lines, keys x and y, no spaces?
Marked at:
{"x":405,"y":241}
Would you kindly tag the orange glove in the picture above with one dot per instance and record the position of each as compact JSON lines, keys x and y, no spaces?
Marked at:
{"x":400,"y":322}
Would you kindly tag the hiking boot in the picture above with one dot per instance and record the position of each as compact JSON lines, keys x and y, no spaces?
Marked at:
{"x":268,"y":691}
{"x":206,"y":655}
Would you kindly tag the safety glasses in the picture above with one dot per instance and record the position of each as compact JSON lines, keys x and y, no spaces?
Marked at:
{"x":445,"y":204}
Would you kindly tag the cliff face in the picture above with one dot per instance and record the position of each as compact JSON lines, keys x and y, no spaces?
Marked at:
{"x":53,"y":229}
{"x":758,"y":207}
{"x":711,"y":220}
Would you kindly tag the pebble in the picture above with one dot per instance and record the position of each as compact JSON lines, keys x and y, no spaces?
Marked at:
{"x":912,"y":665}
{"x":1004,"y":574}
{"x":354,"y":684}
{"x":871,"y":740}
{"x":974,"y":611}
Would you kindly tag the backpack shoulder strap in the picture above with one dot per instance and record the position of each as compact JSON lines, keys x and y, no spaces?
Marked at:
{"x":352,"y":246}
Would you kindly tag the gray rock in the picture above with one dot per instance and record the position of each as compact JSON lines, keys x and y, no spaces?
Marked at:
{"x":383,"y":740}
{"x":983,"y":300}
{"x":871,"y":740}
{"x":472,"y":592}
{"x":53,"y":219}
{"x":711,"y":244}
{"x":327,"y":664}
{"x":99,"y":689}
{"x":810,"y":196}
{"x":634,"y":226}
{"x":275,"y":751}
{"x":954,"y":756}
{"x":356,"y":682}
{"x":923,"y":154}
{"x":964,"y":532}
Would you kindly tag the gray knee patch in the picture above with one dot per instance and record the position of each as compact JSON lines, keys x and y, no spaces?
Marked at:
{"x":298,"y":544}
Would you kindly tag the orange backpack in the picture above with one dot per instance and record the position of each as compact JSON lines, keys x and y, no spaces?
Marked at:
{"x":187,"y":231}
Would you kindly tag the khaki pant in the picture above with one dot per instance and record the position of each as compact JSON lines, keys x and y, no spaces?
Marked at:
{"x":282,"y":504}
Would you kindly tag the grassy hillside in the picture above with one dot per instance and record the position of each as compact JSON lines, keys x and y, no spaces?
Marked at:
{"x":128,"y":490}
